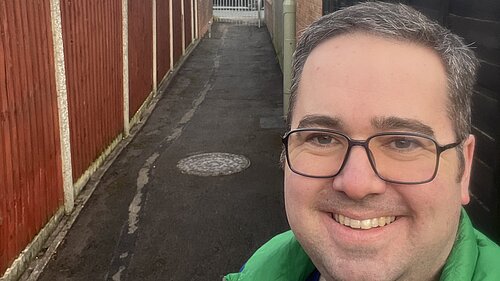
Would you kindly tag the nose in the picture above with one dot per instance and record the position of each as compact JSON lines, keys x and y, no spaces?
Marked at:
{"x":357,"y":178}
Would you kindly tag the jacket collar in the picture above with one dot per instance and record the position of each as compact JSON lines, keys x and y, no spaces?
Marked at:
{"x":462,"y":260}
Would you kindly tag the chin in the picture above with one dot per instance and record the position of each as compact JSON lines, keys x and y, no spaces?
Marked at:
{"x":359,"y":272}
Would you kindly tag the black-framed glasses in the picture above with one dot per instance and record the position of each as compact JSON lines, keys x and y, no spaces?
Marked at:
{"x":396,"y":157}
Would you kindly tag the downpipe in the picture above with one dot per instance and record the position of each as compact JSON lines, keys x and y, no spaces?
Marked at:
{"x":289,"y":38}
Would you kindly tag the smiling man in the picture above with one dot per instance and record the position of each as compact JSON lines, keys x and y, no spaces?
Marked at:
{"x":378,"y":156}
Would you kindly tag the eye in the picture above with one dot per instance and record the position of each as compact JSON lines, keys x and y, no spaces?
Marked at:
{"x":322,"y":139}
{"x":404,"y":144}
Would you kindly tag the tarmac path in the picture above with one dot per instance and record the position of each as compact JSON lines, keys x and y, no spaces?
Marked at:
{"x":148,"y":221}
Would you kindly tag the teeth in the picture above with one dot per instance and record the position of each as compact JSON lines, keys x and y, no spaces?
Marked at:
{"x":363,"y":224}
{"x":355,"y":224}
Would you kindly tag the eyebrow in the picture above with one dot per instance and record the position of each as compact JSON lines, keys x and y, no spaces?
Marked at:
{"x":398,"y":123}
{"x":323,"y":121}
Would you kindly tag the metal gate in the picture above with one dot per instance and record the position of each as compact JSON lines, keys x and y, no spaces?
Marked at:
{"x":241,"y":11}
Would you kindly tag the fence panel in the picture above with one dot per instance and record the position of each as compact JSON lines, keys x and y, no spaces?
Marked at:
{"x":177,"y":29}
{"x":163,"y":38}
{"x":187,"y":23}
{"x":205,"y":11}
{"x":140,"y":40}
{"x":93,"y":58}
{"x":30,"y":167}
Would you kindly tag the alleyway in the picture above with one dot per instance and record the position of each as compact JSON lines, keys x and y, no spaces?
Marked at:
{"x":148,"y":221}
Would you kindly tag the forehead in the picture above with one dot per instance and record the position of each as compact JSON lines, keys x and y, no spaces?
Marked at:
{"x":359,"y":77}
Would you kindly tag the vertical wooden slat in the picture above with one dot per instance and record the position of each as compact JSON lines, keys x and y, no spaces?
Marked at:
{"x":41,"y":196}
{"x":15,"y":130}
{"x":34,"y":210}
{"x":23,"y":136}
{"x":55,"y":191}
{"x":48,"y":137}
{"x":44,"y":93}
{"x":103,"y":99}
{"x":94,"y":30}
{"x":4,"y":144}
{"x":54,"y":168}
{"x":86,"y":105}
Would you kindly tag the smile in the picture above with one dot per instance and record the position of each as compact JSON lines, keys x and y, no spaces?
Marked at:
{"x":363,"y":224}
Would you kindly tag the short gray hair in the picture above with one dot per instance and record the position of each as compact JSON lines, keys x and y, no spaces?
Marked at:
{"x":400,"y":22}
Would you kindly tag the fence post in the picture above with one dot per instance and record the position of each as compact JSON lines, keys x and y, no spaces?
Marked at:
{"x":171,"y":27}
{"x":196,"y":30}
{"x":183,"y":25}
{"x":192,"y":20}
{"x":126,"y":113}
{"x":155,"y":51}
{"x":62,"y":106}
{"x":289,"y":41}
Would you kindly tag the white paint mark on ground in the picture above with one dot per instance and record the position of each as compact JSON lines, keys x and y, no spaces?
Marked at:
{"x":135,"y":206}
{"x":117,"y":276}
{"x":188,"y":115}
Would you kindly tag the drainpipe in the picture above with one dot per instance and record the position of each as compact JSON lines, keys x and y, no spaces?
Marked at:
{"x":288,"y":49}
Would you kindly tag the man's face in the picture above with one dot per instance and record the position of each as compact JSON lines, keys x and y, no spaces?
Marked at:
{"x":353,"y":83}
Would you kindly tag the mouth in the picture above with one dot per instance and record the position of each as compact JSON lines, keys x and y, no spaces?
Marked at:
{"x":363,"y":224}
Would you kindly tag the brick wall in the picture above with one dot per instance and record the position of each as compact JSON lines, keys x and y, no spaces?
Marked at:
{"x":205,"y":9}
{"x":307,"y":12}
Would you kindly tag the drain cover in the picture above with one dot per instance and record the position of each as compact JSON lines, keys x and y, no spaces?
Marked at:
{"x":213,"y":164}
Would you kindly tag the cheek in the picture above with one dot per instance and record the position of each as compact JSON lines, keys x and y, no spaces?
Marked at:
{"x":293,"y":198}
{"x":300,"y":193}
{"x":435,"y":205}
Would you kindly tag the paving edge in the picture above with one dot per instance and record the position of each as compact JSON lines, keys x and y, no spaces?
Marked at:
{"x":30,"y":263}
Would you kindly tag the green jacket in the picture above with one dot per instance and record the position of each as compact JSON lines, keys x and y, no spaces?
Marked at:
{"x":473,"y":257}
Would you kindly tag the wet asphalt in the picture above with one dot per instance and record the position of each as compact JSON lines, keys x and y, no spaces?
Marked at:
{"x":148,"y":221}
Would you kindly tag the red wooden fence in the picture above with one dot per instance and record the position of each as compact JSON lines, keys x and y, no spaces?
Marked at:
{"x":30,"y":166}
{"x":31,"y":188}
{"x":92,"y":34}
{"x":163,"y":38}
{"x":140,"y":43}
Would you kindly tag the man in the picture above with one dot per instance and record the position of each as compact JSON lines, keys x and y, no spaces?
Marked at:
{"x":378,"y":156}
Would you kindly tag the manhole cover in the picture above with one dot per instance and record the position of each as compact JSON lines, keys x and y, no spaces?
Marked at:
{"x":213,"y":164}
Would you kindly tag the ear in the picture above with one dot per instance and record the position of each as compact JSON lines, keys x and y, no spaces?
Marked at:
{"x":468,"y":152}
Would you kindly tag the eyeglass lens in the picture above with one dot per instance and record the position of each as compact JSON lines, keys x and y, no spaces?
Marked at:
{"x":395,"y":157}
